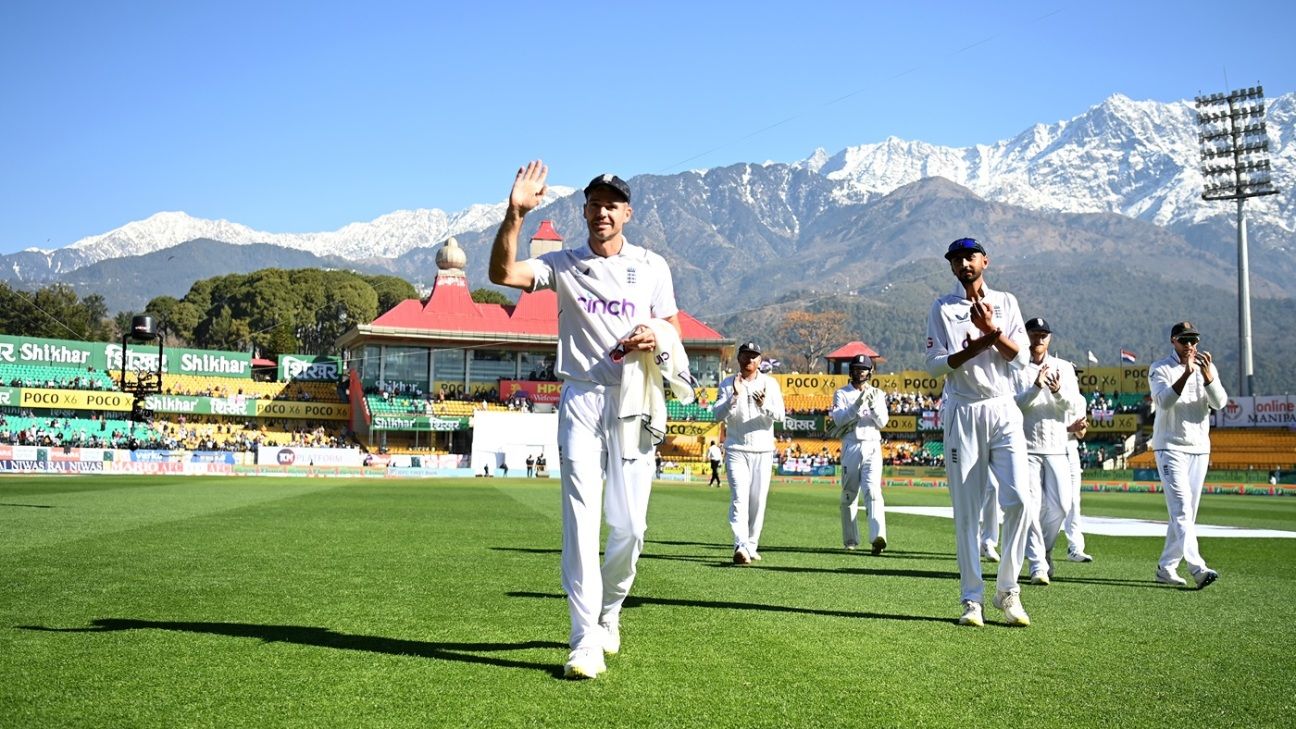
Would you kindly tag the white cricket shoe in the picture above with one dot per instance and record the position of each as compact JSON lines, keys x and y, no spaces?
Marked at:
{"x":971,"y":614}
{"x":584,"y":663}
{"x":1076,"y":555}
{"x":1010,"y":603}
{"x":1205,"y":577}
{"x":611,"y":635}
{"x":1040,"y":577}
{"x":989,"y":553}
{"x":755,"y":556}
{"x":1166,"y":577}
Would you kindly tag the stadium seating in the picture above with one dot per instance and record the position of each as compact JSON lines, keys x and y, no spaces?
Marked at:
{"x":406,"y":406}
{"x":209,"y":386}
{"x":810,"y":446}
{"x":676,"y":410}
{"x":60,"y":378}
{"x":1241,"y":449}
{"x":807,"y":403}
{"x":80,"y":430}
{"x":1263,"y":448}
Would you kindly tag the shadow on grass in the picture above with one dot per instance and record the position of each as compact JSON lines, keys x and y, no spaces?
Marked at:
{"x":724,"y":560}
{"x":682,"y":543}
{"x":30,"y":506}
{"x":863,"y":551}
{"x":325,"y":638}
{"x":875,"y":571}
{"x":633,"y":601}
{"x":1115,"y":582}
{"x":528,"y":550}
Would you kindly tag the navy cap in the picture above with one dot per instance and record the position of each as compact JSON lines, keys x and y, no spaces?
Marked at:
{"x":749,"y":347}
{"x":964,"y":245}
{"x":861,"y":362}
{"x":1038,"y":325}
{"x":610,"y":181}
{"x":1185,"y":329}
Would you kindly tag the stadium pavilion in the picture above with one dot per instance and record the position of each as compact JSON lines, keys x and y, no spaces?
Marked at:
{"x":455,"y":353}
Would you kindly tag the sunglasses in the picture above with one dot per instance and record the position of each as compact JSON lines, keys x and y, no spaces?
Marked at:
{"x":1188,"y":341}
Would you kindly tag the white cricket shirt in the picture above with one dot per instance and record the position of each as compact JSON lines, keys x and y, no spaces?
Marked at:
{"x":950,"y":330}
{"x":1182,"y":422}
{"x":1045,"y":415}
{"x":750,"y":427}
{"x":863,"y":421}
{"x":599,"y":301}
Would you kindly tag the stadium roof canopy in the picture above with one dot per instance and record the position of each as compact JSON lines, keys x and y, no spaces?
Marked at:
{"x":449,"y":313}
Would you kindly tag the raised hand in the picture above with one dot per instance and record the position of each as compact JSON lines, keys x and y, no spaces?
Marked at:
{"x":529,"y":187}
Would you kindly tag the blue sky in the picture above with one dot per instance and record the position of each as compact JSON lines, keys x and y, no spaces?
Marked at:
{"x":299,"y":117}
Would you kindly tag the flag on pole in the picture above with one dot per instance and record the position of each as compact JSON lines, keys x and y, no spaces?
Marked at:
{"x":1128,"y":357}
{"x":1093,"y":359}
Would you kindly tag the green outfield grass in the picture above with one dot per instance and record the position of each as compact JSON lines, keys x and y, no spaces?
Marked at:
{"x":241,"y":602}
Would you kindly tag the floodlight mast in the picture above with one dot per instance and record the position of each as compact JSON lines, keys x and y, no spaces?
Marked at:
{"x":1235,"y":166}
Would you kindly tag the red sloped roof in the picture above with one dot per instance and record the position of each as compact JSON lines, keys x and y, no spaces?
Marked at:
{"x":850,"y":349}
{"x":691,"y":328}
{"x":450,"y":308}
{"x":546,"y":231}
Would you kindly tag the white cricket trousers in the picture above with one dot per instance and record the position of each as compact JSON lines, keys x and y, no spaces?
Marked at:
{"x":595,"y":478}
{"x":991,"y":516}
{"x":1071,"y":524}
{"x":1050,"y":485}
{"x":862,"y":473}
{"x":985,"y":438}
{"x":1182,"y":475}
{"x":749,"y":482}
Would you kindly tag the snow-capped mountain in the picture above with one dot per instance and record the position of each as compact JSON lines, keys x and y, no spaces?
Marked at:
{"x":388,"y":236}
{"x":1138,"y":159}
{"x":1135,"y":158}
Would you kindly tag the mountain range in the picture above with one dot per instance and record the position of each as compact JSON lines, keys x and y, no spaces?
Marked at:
{"x":1116,"y":189}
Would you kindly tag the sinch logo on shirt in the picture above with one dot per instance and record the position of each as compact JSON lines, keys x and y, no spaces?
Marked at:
{"x":622,"y":308}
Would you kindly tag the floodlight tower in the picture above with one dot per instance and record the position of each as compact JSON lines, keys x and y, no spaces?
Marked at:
{"x":1235,"y":166}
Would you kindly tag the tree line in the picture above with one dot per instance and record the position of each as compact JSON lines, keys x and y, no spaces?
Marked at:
{"x":271,"y":312}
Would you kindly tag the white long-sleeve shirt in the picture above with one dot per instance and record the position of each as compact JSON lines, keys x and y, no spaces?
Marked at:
{"x":859,"y":416}
{"x":748,"y":426}
{"x":950,"y":330}
{"x":1046,"y":415}
{"x":1182,"y":421}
